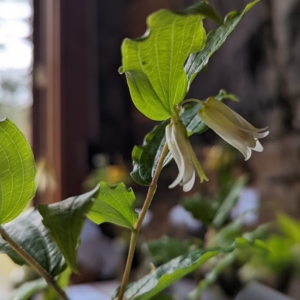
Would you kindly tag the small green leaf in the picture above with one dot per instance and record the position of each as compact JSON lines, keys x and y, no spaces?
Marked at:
{"x":197,"y":62}
{"x":206,"y":10}
{"x":115,"y":205}
{"x":164,"y":249}
{"x":201,"y":208}
{"x":154,"y":63}
{"x":65,"y":221}
{"x":17,"y":172}
{"x":28,"y":231}
{"x":165,"y":275}
{"x":145,"y":157}
{"x":28,"y":289}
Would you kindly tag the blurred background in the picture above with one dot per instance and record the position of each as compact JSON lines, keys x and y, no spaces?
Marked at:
{"x":59,"y":83}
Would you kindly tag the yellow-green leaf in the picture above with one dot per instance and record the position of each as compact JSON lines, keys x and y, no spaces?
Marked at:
{"x":115,"y":205}
{"x":17,"y":172}
{"x":154,"y":63}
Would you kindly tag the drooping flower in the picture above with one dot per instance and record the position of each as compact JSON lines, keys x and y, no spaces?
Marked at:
{"x":183,"y":154}
{"x":231,"y":127}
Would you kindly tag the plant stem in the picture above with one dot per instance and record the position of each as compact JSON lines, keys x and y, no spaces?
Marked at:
{"x":138,"y":224}
{"x":34,"y":264}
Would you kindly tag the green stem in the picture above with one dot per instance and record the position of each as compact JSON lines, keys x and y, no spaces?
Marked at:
{"x":138,"y":224}
{"x":34,"y":264}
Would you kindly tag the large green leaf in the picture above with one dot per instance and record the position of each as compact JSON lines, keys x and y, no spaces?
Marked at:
{"x":146,"y":156}
{"x":28,"y":231}
{"x":17,"y":172}
{"x":175,"y":269}
{"x":115,"y":205}
{"x":65,"y":221}
{"x":154,"y":63}
{"x":197,"y":62}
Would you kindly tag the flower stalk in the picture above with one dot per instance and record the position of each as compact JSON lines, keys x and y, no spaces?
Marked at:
{"x":137,"y":226}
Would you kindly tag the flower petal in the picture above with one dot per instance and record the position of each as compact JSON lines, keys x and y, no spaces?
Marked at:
{"x":180,"y":137}
{"x":227,"y":131}
{"x":176,"y":155}
{"x":197,"y":165}
{"x":260,"y":135}
{"x":258,"y":147}
{"x":189,"y":185}
{"x":235,"y":118}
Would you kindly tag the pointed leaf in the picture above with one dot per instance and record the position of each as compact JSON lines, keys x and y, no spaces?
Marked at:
{"x":165,"y":275}
{"x":197,"y":62}
{"x":65,"y":221}
{"x":154,"y":63}
{"x":17,"y":172}
{"x":115,"y":205}
{"x":145,"y":157}
{"x":28,"y":231}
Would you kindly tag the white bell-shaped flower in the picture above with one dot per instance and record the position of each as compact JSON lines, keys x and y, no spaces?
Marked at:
{"x":231,"y":127}
{"x":183,"y":154}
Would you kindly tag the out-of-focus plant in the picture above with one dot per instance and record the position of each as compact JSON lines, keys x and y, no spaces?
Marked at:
{"x":221,"y":230}
{"x":282,"y":263}
{"x":104,"y":171}
{"x":160,"y":67}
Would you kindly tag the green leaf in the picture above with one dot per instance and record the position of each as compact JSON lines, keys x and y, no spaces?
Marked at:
{"x":115,"y":205}
{"x":206,"y":10}
{"x":28,"y":231}
{"x":28,"y":289}
{"x":146,"y":156}
{"x":197,"y":62}
{"x":165,"y":275}
{"x":164,"y":249}
{"x":201,"y":208}
{"x":163,"y":297}
{"x":65,"y":221}
{"x":230,"y":200}
{"x":154,"y":63}
{"x":17,"y":172}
